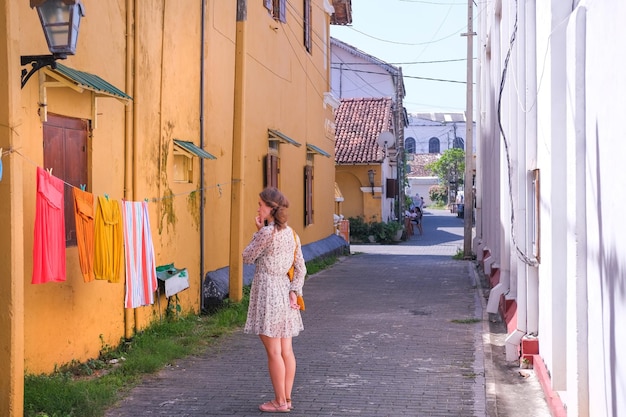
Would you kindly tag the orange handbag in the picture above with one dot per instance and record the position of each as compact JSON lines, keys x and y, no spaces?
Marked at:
{"x":291,"y":271}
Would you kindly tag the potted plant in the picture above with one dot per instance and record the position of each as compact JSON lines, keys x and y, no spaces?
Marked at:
{"x":395,"y":230}
{"x":359,"y":230}
{"x":378,"y":233}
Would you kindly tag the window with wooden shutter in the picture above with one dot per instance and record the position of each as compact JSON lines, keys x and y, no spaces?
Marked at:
{"x":65,"y":150}
{"x":271,"y":170}
{"x":308,"y":195}
{"x":277,"y":8}
{"x":308,"y":41}
{"x":391,"y":188}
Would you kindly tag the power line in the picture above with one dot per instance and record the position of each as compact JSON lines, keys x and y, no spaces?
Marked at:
{"x":411,"y":62}
{"x":455,"y":33}
{"x":403,"y":75}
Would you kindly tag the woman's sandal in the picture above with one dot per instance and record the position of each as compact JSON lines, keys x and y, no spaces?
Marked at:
{"x":289,"y":405}
{"x":273,"y":407}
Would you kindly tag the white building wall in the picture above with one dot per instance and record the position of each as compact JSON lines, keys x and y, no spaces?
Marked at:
{"x":575,"y":92}
{"x":355,"y":77}
{"x":605,"y":200}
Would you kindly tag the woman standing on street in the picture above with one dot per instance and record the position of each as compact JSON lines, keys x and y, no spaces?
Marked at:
{"x":273,"y":313}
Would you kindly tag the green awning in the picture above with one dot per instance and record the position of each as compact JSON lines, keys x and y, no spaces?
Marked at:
{"x":91,"y":82}
{"x":190,"y":147}
{"x":314,"y":149}
{"x":276,"y":135}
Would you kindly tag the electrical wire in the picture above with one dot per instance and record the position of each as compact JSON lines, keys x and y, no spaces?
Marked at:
{"x":406,"y":43}
{"x":520,"y":253}
{"x":153,"y":199}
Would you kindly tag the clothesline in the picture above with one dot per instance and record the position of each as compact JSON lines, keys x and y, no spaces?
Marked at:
{"x":151,"y":200}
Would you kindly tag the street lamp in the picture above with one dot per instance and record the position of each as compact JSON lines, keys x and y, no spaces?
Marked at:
{"x":370,"y":175}
{"x":60,"y":20}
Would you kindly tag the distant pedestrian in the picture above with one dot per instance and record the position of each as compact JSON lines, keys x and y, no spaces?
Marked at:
{"x":273,"y":312}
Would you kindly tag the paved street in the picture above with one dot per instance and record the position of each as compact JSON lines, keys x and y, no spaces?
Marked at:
{"x":394,"y":330}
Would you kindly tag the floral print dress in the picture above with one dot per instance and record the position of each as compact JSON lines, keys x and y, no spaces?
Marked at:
{"x":272,"y":252}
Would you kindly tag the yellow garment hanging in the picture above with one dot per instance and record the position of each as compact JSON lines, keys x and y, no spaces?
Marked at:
{"x":109,"y":243}
{"x":84,"y":214}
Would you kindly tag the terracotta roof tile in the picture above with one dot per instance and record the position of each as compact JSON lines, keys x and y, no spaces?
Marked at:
{"x":358,"y":123}
{"x":417,"y":165}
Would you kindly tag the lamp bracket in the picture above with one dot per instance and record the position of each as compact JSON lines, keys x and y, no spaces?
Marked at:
{"x":38,"y":62}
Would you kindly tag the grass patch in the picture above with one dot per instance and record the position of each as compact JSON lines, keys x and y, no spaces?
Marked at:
{"x":460,"y":255}
{"x":88,"y":389}
{"x":466,"y":321}
{"x":320,"y":264}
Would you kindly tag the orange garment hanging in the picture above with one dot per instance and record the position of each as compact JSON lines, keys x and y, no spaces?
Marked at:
{"x":108,"y":241}
{"x":84,"y":212}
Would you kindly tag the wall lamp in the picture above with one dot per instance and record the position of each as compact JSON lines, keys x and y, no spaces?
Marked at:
{"x":370,"y":175}
{"x":60,"y":20}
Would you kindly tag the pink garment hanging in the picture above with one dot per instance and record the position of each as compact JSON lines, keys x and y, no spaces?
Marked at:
{"x":49,"y":242}
{"x":141,"y":280}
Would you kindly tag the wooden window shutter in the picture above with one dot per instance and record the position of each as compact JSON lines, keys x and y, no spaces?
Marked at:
{"x":308,"y":42}
{"x":65,"y":142}
{"x":271,"y":170}
{"x":308,"y":195}
{"x":392,"y":188}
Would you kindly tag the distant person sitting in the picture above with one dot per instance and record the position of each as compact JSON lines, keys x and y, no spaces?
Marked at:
{"x":408,"y":225}
{"x":418,"y":214}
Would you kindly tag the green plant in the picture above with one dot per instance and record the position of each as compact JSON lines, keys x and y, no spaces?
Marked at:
{"x":394,"y":226}
{"x":319,"y":264}
{"x":438,"y":194}
{"x":377,"y":229}
{"x":359,"y":230}
{"x":466,"y":321}
{"x":173,"y":309}
{"x":460,"y":255}
{"x":451,"y":165}
{"x":384,"y":232}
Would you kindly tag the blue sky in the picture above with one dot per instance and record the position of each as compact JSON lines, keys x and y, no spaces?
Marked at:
{"x":421,"y":36}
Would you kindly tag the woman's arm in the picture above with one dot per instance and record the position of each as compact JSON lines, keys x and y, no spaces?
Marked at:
{"x":299,"y":270}
{"x":260,"y":240}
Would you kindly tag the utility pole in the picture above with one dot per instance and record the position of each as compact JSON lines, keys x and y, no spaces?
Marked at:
{"x":468,"y":208}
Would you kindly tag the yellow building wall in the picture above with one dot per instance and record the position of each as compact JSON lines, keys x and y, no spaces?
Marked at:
{"x":66,"y":321}
{"x":354,"y":184}
{"x":153,"y":53}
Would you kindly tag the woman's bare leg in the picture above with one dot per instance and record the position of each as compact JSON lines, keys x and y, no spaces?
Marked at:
{"x":289,"y":359}
{"x":276,"y":366}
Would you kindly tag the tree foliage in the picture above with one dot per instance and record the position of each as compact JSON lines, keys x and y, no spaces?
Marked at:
{"x":451,"y":166}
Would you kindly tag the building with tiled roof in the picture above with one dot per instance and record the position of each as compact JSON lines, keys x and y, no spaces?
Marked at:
{"x":419,"y":177}
{"x":365,"y":169}
{"x":371,"y":93}
{"x":358,"y":123}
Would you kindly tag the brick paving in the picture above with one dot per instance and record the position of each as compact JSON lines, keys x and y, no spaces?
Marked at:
{"x":388,"y":332}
